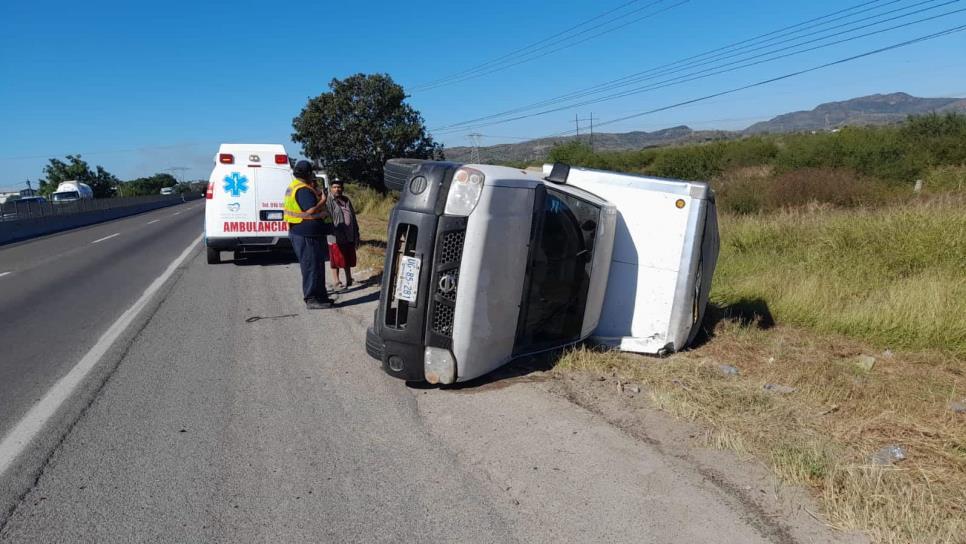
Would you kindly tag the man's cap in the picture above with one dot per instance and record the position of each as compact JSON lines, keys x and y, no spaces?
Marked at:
{"x":303,"y":169}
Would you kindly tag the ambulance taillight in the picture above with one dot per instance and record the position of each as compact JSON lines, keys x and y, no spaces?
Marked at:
{"x":281,"y":159}
{"x":210,"y":191}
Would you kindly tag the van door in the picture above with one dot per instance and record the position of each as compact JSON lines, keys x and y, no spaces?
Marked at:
{"x":270,"y":186}
{"x":231,"y":212}
{"x":558,"y":272}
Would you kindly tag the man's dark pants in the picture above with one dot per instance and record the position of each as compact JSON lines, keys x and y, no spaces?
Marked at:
{"x":312,"y":253}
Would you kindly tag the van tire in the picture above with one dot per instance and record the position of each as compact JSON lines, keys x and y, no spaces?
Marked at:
{"x":214,"y":256}
{"x":397,"y":172}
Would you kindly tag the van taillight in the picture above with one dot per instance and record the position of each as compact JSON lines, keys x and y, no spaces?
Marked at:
{"x":281,"y":159}
{"x":210,"y":191}
{"x":226,"y":158}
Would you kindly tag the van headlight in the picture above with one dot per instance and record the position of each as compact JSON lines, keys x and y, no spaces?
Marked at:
{"x":464,"y":192}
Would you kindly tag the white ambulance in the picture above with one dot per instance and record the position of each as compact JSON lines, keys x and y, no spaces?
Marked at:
{"x":243,"y":206}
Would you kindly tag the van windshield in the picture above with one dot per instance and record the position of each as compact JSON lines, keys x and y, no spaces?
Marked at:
{"x":66,"y":195}
{"x":558,"y":272}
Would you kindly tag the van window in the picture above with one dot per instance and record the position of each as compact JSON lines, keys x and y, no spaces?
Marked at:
{"x":558,"y":272}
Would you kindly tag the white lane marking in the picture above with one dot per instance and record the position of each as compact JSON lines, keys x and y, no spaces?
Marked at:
{"x":2,"y":274}
{"x":176,"y":213}
{"x":153,"y":222}
{"x":106,"y":238}
{"x":17,"y":440}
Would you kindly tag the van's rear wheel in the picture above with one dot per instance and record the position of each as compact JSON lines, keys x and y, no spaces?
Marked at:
{"x":214,"y":256}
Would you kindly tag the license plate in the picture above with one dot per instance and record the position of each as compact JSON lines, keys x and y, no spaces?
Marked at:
{"x":273,"y":216}
{"x":407,"y":282}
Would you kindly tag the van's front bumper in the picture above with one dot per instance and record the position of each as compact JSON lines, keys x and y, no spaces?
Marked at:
{"x":403,"y":332}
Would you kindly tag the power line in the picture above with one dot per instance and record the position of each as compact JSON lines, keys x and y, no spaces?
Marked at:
{"x":643,"y":76}
{"x":716,"y":70}
{"x":699,"y":55}
{"x":524,"y":48}
{"x":508,"y":64}
{"x":880,"y":50}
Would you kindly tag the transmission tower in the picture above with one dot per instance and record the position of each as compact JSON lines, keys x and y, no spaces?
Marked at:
{"x":475,"y":139}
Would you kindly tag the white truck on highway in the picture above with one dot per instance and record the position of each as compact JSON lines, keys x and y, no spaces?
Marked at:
{"x":243,"y":206}
{"x":69,"y":191}
{"x":485,"y":264}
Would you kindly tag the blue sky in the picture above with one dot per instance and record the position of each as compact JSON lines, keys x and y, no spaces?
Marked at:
{"x":142,"y":87}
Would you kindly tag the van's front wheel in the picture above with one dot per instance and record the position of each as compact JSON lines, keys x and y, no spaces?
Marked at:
{"x":214,"y":256}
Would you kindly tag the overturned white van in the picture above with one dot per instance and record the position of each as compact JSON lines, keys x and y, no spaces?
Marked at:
{"x":243,"y":206}
{"x":665,"y":252}
{"x":485,"y":264}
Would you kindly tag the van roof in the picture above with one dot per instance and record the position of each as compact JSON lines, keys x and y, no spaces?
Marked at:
{"x":264,"y":148}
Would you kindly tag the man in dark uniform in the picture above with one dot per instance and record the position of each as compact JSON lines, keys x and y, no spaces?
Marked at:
{"x":308,"y":225}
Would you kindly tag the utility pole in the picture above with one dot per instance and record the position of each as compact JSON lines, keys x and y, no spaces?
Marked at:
{"x":180,"y":170}
{"x":475,"y":141}
{"x":577,"y":121}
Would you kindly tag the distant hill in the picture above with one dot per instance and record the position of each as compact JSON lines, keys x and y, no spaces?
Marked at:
{"x":878,"y":109}
{"x":534,"y":150}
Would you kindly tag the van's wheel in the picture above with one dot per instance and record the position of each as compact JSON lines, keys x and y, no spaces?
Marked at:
{"x":214,"y":256}
{"x":397,"y":172}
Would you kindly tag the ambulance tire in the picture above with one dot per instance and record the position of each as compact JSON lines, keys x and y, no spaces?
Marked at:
{"x":214,"y":256}
{"x":397,"y":172}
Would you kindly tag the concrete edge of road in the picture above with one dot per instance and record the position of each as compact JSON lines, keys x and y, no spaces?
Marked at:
{"x":25,"y":229}
{"x":32,"y":444}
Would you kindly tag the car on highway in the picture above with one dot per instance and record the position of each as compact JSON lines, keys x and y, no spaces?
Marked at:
{"x":485,"y":264}
{"x":166,"y":191}
{"x":243,"y":201}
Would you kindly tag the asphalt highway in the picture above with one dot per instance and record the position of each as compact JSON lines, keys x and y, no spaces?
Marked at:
{"x":59,"y":293}
{"x":227,"y":412}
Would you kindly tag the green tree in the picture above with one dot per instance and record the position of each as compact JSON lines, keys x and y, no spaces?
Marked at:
{"x":359,"y":124}
{"x":148,"y":186}
{"x":100,"y":180}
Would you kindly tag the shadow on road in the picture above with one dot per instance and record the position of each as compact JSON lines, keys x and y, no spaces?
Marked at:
{"x":264,"y":259}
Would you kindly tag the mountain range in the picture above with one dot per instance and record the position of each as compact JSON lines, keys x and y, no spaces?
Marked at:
{"x":878,"y":109}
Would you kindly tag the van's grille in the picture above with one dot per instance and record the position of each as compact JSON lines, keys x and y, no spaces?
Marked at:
{"x":452,"y":247}
{"x":449,"y":253}
{"x":404,"y":244}
{"x":443,"y":319}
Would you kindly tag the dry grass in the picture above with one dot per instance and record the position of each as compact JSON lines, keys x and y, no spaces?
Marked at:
{"x":893,"y":276}
{"x":373,"y":210}
{"x":824,"y":433}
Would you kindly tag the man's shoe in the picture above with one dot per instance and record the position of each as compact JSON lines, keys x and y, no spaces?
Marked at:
{"x":318,"y":304}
